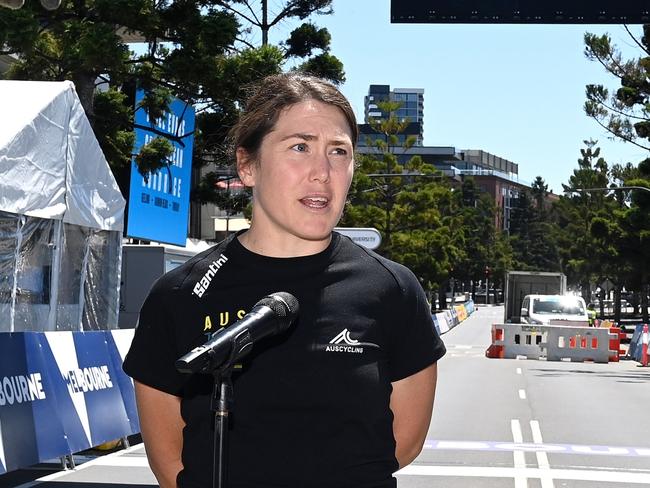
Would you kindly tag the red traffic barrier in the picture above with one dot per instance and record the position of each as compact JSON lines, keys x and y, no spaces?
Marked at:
{"x":644,"y":346}
{"x":615,"y":345}
{"x":495,"y":351}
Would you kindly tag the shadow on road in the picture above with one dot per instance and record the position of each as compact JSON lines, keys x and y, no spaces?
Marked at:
{"x":629,"y":377}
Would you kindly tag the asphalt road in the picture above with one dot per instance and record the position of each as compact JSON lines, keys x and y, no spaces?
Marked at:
{"x":496,"y":423}
{"x":530,"y":423}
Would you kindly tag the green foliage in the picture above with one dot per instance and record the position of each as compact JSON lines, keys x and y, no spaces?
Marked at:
{"x":626,"y":112}
{"x":600,"y":232}
{"x":326,"y":66}
{"x":151,"y":154}
{"x":195,"y":51}
{"x":155,"y":102}
{"x":438,"y":232}
{"x":635,"y":229}
{"x":474,"y":222}
{"x":404,"y":206}
{"x":113,"y":126}
{"x":233,"y":202}
{"x":303,"y":40}
{"x":304,"y":8}
{"x":579,"y":249}
{"x":532,"y":235}
{"x":389,"y":127}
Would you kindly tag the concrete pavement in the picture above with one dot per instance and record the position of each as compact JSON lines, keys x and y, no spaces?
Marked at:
{"x":124,"y":468}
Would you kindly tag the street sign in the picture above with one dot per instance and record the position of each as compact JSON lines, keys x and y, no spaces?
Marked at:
{"x":367,"y":237}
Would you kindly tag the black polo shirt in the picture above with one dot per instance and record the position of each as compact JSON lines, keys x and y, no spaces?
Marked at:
{"x":311,"y":405}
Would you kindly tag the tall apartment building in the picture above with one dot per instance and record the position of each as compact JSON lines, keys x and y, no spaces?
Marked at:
{"x":411,"y":109}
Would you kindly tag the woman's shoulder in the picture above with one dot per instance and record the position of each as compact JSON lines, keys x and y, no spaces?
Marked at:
{"x":369,"y":262}
{"x":192,"y":271}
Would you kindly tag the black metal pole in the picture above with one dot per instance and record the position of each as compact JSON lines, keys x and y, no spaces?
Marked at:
{"x":221,"y":401}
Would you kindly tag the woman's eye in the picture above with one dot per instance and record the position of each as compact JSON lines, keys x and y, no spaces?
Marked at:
{"x":339,"y":151}
{"x":302,"y":147}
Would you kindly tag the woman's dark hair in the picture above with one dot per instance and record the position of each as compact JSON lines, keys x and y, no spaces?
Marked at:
{"x":276,"y":93}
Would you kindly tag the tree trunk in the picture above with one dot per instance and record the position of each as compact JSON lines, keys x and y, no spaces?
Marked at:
{"x":602,"y":303}
{"x":85,"y":86}
{"x":265,"y":22}
{"x":442,"y":296}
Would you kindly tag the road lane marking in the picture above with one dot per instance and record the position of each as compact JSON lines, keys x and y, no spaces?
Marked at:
{"x":518,"y":456}
{"x":542,"y":458}
{"x":530,"y":447}
{"x":518,"y":370}
{"x":590,"y":449}
{"x":641,"y":451}
{"x":522,"y":394}
{"x":606,"y":476}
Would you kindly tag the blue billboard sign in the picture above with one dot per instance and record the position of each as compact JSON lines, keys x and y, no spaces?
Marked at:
{"x":159,"y":204}
{"x":61,"y":393}
{"x":23,"y":396}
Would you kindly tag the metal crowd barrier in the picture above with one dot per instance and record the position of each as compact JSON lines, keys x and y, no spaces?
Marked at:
{"x":448,"y":319}
{"x":552,"y":342}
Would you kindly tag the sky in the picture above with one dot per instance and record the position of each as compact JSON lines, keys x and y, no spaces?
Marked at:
{"x":516,"y":91}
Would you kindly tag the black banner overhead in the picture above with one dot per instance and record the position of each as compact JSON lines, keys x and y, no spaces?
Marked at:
{"x":520,"y":11}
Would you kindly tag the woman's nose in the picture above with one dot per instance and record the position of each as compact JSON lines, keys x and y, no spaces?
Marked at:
{"x":320,"y":169}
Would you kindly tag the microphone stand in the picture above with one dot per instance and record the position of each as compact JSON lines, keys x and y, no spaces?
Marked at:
{"x":221,"y":405}
{"x":222,"y":397}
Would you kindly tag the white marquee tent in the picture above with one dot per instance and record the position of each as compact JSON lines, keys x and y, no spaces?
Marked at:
{"x":61,"y":214}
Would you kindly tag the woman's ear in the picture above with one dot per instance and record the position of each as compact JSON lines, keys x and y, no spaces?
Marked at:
{"x":245,"y":167}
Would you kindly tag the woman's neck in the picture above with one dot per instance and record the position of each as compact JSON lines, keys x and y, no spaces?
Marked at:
{"x":286,"y":246}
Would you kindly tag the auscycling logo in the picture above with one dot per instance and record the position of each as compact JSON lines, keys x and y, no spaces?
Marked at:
{"x":342,"y":342}
{"x":201,"y":286}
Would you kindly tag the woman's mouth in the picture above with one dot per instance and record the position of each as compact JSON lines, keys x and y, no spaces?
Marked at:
{"x":315,"y":202}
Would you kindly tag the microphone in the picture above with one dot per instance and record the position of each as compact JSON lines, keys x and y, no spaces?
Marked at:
{"x":271,"y":315}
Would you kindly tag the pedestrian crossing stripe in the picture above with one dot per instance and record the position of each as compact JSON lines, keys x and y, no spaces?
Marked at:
{"x":607,"y":476}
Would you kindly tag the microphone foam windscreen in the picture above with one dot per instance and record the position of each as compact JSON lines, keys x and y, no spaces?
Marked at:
{"x":282,"y":303}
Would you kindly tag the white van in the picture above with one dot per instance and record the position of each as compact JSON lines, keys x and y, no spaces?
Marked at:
{"x":554,"y":310}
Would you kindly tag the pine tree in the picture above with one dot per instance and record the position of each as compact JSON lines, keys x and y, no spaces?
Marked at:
{"x":532,"y":235}
{"x":195,"y":51}
{"x":624,"y":113}
{"x":402,"y":197}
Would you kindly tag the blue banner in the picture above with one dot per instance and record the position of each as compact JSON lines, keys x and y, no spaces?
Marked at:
{"x":21,"y":385}
{"x":436,"y":324}
{"x":452,"y":317}
{"x":159,"y":205}
{"x":119,"y":343}
{"x":95,"y":378}
{"x":61,"y":393}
